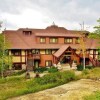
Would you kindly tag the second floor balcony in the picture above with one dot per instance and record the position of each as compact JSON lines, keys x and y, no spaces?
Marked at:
{"x":34,"y":56}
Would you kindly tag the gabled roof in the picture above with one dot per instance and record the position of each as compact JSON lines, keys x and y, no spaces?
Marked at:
{"x":19,"y":41}
{"x":60,"y":51}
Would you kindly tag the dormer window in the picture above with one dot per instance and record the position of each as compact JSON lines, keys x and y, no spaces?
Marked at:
{"x":27,"y":32}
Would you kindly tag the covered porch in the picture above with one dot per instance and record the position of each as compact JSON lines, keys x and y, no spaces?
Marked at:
{"x":66,"y":55}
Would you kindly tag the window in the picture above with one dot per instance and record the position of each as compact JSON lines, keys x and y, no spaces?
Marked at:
{"x":37,"y":51}
{"x":42,"y":40}
{"x":53,"y":40}
{"x":77,"y":40}
{"x":48,"y":63}
{"x":48,"y":51}
{"x":68,"y":40}
{"x":16,"y":52}
{"x":27,"y":32}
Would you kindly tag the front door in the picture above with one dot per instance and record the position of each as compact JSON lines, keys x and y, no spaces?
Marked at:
{"x":68,"y":59}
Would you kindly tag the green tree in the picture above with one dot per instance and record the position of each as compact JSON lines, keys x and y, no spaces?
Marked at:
{"x":97,"y":31}
{"x":96,"y":35}
{"x":5,"y":58}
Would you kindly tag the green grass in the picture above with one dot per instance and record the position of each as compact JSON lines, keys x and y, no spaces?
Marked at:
{"x":94,"y":96}
{"x":52,"y":70}
{"x":91,"y":74}
{"x":16,"y":86}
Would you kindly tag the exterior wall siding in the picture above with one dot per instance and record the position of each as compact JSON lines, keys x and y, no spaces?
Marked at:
{"x":44,"y":58}
{"x":61,"y":40}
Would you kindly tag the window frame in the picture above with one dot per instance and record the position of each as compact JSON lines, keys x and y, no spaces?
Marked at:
{"x":49,"y":63}
{"x":51,"y":40}
{"x":66,"y":42}
{"x":27,"y":33}
{"x":42,"y":38}
{"x":48,"y":51}
{"x":13,"y":52}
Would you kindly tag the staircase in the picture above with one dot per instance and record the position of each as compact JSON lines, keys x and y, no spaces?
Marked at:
{"x":95,"y":62}
{"x":65,"y":67}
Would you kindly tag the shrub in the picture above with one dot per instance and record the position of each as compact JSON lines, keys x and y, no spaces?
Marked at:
{"x":67,"y":76}
{"x":41,"y":69}
{"x":89,"y":67}
{"x":52,"y":70}
{"x":79,"y":67}
{"x":19,"y":72}
{"x":58,"y":77}
{"x":49,"y":78}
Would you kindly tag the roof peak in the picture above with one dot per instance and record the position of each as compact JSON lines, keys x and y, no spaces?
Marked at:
{"x":55,"y":27}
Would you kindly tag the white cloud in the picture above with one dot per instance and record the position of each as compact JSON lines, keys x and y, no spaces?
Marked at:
{"x":41,"y":13}
{"x":28,"y":18}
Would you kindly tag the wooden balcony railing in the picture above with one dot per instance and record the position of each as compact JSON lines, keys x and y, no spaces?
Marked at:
{"x":34,"y":56}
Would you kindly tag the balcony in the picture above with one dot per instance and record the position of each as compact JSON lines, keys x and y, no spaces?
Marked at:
{"x":36,"y":56}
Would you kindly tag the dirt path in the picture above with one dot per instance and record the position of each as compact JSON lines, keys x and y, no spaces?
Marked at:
{"x":70,"y":91}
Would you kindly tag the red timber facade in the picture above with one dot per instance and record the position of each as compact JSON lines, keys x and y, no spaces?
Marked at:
{"x":32,"y":48}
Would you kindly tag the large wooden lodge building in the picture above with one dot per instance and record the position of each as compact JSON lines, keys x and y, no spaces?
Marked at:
{"x":32,"y":48}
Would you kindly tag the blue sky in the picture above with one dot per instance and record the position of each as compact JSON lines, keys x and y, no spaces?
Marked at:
{"x":42,"y":13}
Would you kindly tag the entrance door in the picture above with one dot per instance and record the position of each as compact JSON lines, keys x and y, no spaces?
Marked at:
{"x":36,"y":63}
{"x":68,"y":59}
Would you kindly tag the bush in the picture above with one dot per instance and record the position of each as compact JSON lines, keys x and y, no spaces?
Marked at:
{"x":52,"y":70}
{"x":79,"y":67}
{"x":41,"y":69}
{"x":58,"y":77}
{"x":19,"y":72}
{"x":89,"y":67}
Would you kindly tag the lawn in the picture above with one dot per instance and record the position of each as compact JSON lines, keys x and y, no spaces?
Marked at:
{"x":16,"y":86}
{"x":94,"y":96}
{"x":93,"y":74}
